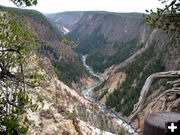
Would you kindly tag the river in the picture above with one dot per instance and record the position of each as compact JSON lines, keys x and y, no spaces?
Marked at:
{"x":87,"y":93}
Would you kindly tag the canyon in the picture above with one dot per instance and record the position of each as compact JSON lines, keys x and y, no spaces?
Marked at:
{"x":122,"y":46}
{"x":100,"y":81}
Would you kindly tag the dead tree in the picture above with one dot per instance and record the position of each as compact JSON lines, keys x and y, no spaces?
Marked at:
{"x":161,"y":75}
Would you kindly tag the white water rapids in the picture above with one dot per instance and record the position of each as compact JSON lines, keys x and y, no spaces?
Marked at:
{"x":87,"y":93}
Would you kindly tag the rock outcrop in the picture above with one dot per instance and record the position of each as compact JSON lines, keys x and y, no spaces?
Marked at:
{"x":61,"y":107}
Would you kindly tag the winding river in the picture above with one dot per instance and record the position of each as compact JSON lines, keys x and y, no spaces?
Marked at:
{"x":87,"y":93}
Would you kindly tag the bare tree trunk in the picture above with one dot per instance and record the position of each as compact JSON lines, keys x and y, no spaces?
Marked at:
{"x":145,"y":89}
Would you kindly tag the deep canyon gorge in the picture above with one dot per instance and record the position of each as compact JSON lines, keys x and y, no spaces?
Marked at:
{"x":102,"y":73}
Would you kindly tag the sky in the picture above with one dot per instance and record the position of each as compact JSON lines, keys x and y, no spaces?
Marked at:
{"x":54,"y":6}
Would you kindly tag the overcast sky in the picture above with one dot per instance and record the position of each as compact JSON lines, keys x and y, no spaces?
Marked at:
{"x":52,"y":6}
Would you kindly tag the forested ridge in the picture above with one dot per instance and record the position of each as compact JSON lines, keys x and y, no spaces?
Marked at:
{"x":68,"y":69}
{"x":100,"y":61}
{"x":35,"y":16}
{"x":130,"y":93}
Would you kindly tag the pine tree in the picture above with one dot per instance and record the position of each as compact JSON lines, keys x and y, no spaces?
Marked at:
{"x":17,"y":43}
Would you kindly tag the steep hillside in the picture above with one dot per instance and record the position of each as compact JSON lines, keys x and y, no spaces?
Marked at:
{"x":100,"y":28}
{"x":123,"y":43}
{"x":60,"y":109}
{"x":109,"y":38}
{"x":52,"y":47}
{"x":65,"y":21}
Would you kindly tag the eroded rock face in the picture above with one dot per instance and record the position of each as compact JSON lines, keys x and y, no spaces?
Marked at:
{"x":113,"y":81}
{"x":57,"y":114}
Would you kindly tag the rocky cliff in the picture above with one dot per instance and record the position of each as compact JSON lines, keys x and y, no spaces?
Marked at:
{"x":60,"y":106}
{"x":65,"y":21}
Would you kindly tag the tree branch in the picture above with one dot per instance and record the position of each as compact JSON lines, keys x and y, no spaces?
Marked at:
{"x":164,"y":93}
{"x":145,"y":89}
